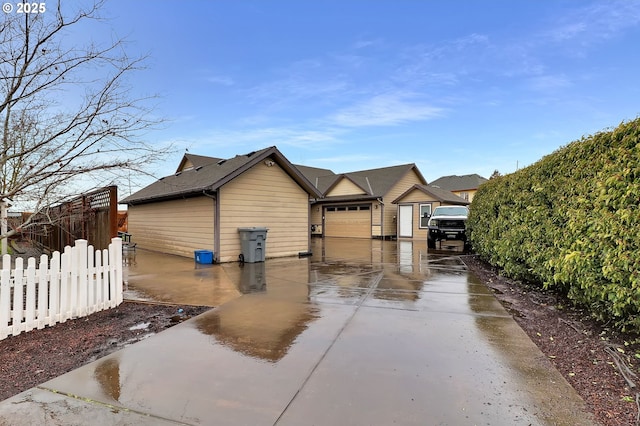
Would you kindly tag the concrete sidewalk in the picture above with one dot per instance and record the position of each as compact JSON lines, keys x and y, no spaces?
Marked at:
{"x":362,"y":333}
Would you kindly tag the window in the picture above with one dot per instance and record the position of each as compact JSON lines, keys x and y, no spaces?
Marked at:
{"x":352,"y":208}
{"x":425,"y":214}
{"x":341,"y":209}
{"x":364,"y":208}
{"x":464,"y":195}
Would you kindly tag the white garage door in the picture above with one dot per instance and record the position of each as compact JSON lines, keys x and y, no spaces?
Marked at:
{"x":348,"y":221}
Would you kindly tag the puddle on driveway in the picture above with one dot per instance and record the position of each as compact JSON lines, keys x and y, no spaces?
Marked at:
{"x":381,"y":332}
{"x":165,"y":278}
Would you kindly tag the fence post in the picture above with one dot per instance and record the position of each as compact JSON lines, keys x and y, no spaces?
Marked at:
{"x":54,"y":289}
{"x":5,"y":301}
{"x":43,"y":291}
{"x":105,"y":279}
{"x":65,"y":284}
{"x":91,"y":269}
{"x":81,"y":259}
{"x":30,"y":314}
{"x":117,"y":243}
{"x":99,"y":272}
{"x":18,"y":296}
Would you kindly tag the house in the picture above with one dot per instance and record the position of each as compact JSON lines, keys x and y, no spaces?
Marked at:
{"x":202,"y":205}
{"x":463,"y":186}
{"x":359,"y":204}
{"x":415,"y":206}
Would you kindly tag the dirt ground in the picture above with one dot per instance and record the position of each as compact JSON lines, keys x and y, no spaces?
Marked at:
{"x":600,"y":364}
{"x":29,"y":359}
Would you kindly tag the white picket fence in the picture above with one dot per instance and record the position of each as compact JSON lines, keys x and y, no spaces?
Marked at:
{"x":73,"y":284}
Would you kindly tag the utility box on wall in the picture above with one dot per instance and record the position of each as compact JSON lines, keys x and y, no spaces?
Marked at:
{"x":253,"y":243}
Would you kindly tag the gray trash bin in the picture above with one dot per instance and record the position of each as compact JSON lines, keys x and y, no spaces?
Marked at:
{"x":253,"y":243}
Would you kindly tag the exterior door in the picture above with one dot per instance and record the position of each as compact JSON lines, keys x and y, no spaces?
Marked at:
{"x":405,"y":221}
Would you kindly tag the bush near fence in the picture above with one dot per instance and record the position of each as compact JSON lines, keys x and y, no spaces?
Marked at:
{"x":571,"y":222}
{"x":72,"y":284}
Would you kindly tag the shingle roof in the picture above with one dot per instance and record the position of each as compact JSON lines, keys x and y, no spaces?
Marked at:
{"x":439,"y":194}
{"x":375,"y":182}
{"x":322,"y":179}
{"x":379,"y":181}
{"x":459,"y":183}
{"x":212,"y":175}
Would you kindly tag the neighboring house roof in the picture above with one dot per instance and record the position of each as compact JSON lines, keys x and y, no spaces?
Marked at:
{"x":374,"y":182}
{"x":459,"y":183}
{"x":208,"y":176}
{"x":439,"y":194}
{"x":322,"y":179}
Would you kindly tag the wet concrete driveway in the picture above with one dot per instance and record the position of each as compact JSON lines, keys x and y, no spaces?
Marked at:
{"x":361,"y":333}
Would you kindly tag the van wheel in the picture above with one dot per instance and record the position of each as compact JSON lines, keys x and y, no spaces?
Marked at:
{"x":431,"y":243}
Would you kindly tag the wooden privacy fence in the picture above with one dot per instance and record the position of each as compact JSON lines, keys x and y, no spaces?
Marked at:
{"x":73,"y":284}
{"x":92,"y":216}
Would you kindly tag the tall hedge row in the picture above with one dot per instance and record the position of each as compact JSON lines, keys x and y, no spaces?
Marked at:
{"x":571,"y":222}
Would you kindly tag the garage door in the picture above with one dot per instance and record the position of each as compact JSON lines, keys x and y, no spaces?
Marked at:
{"x":348,"y":221}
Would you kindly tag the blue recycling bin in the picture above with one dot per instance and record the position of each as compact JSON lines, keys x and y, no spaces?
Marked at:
{"x":203,"y":257}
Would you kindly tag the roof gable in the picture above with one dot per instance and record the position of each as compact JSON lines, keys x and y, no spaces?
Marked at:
{"x":192,"y":161}
{"x":438,"y":194}
{"x":208,"y":177}
{"x":343,"y":185}
{"x":380,"y":181}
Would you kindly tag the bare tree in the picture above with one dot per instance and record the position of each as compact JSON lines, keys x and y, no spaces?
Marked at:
{"x":67,"y":116}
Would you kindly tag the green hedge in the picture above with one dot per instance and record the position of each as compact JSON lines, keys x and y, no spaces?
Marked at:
{"x":571,"y":222}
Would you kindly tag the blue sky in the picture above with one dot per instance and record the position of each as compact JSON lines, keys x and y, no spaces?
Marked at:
{"x":456,"y":87}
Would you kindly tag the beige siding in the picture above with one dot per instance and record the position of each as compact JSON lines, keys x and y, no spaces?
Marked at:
{"x":265,"y":197}
{"x":389,"y":224}
{"x":416,"y":196}
{"x":469,"y":194}
{"x":175,"y":227}
{"x":345,"y":187}
{"x":376,"y":219}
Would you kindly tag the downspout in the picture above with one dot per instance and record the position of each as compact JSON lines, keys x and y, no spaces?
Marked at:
{"x":311,"y":200}
{"x":216,"y":224}
{"x":381,"y":217}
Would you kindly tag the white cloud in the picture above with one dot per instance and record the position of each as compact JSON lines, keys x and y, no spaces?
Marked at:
{"x":267,"y":136}
{"x":222,"y":80}
{"x":368,"y":42}
{"x":547,"y":83}
{"x":601,"y":20}
{"x":386,"y":110}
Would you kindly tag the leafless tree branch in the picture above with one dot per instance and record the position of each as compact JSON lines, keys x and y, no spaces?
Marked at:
{"x":66,"y":112}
